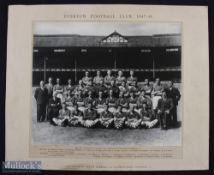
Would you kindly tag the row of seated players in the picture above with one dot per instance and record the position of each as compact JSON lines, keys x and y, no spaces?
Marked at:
{"x":133,"y":112}
{"x":106,"y":116}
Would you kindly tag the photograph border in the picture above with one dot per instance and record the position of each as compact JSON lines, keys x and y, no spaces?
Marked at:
{"x":210,"y":108}
{"x":180,"y":147}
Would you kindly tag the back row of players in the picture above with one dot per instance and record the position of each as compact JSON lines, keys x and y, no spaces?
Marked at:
{"x":110,"y":100}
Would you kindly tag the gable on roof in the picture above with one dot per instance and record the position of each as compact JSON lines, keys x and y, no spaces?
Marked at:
{"x":115,"y":37}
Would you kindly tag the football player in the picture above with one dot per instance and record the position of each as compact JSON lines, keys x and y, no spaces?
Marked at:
{"x":106,"y":118}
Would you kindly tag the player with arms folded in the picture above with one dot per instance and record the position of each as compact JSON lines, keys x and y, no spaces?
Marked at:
{"x":147,"y":88}
{"x":100,"y":103}
{"x":123,"y":102}
{"x":58,"y":89}
{"x":119,"y":118}
{"x":133,"y":118}
{"x":131,"y":81}
{"x":63,"y":117}
{"x":148,"y":117}
{"x":106,"y":118}
{"x":108,"y":78}
{"x":111,"y":102}
{"x":90,"y":118}
{"x":97,"y":79}
{"x":120,"y":78}
{"x":75,"y":117}
{"x":156,"y":93}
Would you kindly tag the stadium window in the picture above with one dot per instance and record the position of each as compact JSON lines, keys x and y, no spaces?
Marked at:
{"x":172,"y":50}
{"x":145,"y":50}
{"x":83,"y":50}
{"x":59,"y":50}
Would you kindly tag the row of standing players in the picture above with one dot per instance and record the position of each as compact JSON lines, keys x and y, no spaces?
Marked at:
{"x":108,"y":102}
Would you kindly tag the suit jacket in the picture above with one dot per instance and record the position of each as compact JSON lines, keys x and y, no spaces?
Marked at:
{"x":41,"y":96}
{"x":174,"y":94}
{"x":165,"y":105}
{"x":54,"y":104}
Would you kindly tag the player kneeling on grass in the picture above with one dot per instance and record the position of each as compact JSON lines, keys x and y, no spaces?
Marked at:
{"x":63,"y":117}
{"x":133,"y":118}
{"x":106,"y":118}
{"x":148,"y":119}
{"x":119,"y":118}
{"x":90,"y":118}
{"x":75,"y":117}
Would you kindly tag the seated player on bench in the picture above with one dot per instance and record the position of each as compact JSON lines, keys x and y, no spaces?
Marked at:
{"x":147,"y":88}
{"x":123,"y":88}
{"x":148,"y":117}
{"x":106,"y":118}
{"x":119,"y":118}
{"x":89,"y":99}
{"x":123,"y":102}
{"x":80,"y":102}
{"x":100,"y":103}
{"x":70,"y":101}
{"x":132,"y":100}
{"x":100,"y":87}
{"x":114,"y":88}
{"x":80,"y":87}
{"x":141,"y":100}
{"x":111,"y":102}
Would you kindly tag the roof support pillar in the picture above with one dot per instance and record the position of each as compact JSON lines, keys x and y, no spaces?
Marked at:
{"x":153,"y":68}
{"x":75,"y":70}
{"x":45,"y":66}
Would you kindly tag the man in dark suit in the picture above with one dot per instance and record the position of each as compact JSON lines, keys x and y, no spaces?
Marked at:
{"x":175,"y":95}
{"x":164,"y":110}
{"x":41,"y":96}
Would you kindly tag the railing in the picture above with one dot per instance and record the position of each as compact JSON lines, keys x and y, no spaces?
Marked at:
{"x":94,"y":70}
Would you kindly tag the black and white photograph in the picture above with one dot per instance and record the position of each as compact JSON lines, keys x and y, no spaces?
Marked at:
{"x":107,"y":83}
